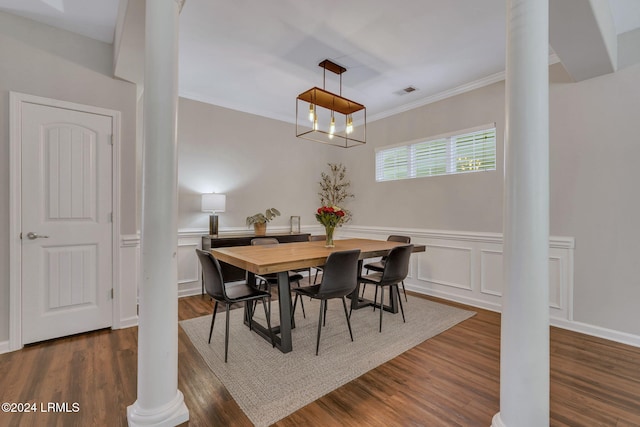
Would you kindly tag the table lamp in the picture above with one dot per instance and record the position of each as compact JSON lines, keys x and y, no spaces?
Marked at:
{"x":213,"y":203}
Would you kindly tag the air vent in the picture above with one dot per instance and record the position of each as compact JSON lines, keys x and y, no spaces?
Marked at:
{"x":405,"y":91}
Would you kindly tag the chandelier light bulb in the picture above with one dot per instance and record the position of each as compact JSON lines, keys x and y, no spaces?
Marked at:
{"x":332,"y":126}
{"x":315,"y":123}
{"x":312,"y":113}
{"x":349,"y":128}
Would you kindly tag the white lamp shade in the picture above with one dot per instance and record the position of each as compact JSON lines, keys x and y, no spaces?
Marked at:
{"x":214,"y":202}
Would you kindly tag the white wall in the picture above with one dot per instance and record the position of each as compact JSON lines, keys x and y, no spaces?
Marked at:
{"x":41,"y":60}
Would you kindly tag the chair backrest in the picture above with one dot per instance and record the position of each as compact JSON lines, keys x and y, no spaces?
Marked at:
{"x":317,"y":238}
{"x":401,"y":239}
{"x":340,"y":273}
{"x":396,"y":267}
{"x":213,"y":282}
{"x":396,"y":238}
{"x":264,"y":241}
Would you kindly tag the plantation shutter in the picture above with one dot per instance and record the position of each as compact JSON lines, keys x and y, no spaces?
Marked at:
{"x":472,"y":150}
{"x":392,"y":164}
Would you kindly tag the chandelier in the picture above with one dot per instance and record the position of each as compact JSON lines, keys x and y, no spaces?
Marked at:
{"x":325,"y":117}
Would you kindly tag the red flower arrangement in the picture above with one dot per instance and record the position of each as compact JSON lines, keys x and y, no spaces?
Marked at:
{"x":330,"y":216}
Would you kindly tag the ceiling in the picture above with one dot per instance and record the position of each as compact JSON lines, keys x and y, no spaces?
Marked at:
{"x":257,"y":56}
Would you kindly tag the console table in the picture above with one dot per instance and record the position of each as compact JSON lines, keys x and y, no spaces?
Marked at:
{"x":231,"y":273}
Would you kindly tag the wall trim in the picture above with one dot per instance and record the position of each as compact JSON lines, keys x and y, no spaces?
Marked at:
{"x":479,"y":296}
{"x":4,"y":347}
{"x":597,"y":331}
{"x":129,"y":240}
{"x":559,"y":242}
{"x":485,"y":242}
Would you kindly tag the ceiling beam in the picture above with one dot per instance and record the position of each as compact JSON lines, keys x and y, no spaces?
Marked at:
{"x":582,"y":33}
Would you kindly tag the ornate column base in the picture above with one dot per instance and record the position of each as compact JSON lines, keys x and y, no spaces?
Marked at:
{"x":172,"y":414}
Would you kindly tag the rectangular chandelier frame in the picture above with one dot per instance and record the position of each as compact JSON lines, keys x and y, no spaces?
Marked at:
{"x":348,"y":132}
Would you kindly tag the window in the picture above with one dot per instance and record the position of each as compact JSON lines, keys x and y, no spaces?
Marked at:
{"x":471,"y":150}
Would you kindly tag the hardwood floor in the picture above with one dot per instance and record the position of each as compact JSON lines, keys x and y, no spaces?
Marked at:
{"x":449,"y":380}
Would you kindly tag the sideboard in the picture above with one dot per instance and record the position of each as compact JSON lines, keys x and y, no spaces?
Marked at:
{"x":234,"y":274}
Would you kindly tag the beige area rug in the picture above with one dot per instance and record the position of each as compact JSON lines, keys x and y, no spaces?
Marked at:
{"x":269,"y":385}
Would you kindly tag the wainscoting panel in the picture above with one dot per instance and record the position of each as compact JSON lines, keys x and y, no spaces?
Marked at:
{"x":129,"y":280}
{"x":491,"y":272}
{"x":189,"y":271}
{"x":448,"y":266}
{"x":467,"y":266}
{"x":459,"y":266}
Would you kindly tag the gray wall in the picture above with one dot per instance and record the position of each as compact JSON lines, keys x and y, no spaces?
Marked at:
{"x":44,"y":61}
{"x":594,"y":150}
{"x":593,"y":154}
{"x":257,"y":162}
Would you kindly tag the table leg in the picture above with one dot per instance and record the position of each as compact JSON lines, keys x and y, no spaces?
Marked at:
{"x":284,"y":299}
{"x":283,"y":341}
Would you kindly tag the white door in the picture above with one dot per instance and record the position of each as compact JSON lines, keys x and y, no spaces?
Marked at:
{"x":66,"y":222}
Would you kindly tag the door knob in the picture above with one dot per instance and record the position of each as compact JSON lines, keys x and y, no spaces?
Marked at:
{"x":33,"y":236}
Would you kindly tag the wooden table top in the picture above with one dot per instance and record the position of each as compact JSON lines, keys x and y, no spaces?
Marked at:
{"x":263,"y":259}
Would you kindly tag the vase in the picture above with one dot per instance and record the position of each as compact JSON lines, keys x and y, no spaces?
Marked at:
{"x":260,"y":228}
{"x":329,"y":233}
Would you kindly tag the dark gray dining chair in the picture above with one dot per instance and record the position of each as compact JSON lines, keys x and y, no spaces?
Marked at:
{"x":396,"y":268}
{"x":340,"y":278}
{"x":379,"y":265}
{"x":216,"y":289}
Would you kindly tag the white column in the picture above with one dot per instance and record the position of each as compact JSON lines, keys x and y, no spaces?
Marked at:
{"x":524,"y":358}
{"x":159,"y":402}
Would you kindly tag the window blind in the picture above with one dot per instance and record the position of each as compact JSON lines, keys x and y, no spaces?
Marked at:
{"x":466,"y":151}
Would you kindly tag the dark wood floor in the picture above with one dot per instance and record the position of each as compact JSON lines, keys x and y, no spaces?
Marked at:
{"x":449,"y":380}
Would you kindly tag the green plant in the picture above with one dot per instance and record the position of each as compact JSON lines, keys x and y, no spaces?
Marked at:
{"x":261,"y":218}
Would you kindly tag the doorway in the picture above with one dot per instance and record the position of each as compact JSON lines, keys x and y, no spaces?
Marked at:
{"x":64,"y":230}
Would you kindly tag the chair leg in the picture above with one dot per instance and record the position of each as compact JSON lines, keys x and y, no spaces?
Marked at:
{"x":344,"y":304}
{"x":213,"y":319}
{"x":268,"y":316}
{"x":304,"y":314}
{"x":375,"y":298}
{"x":315,"y":279}
{"x":364,"y":285}
{"x":399,"y":301}
{"x":249,"y":310}
{"x":226,"y":335}
{"x":405,"y":292}
{"x":322,"y":305}
{"x":293,"y":310}
{"x":381,"y":304}
{"x":324,"y":320}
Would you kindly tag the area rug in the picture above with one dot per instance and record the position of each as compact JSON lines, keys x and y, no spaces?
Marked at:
{"x":269,"y":385}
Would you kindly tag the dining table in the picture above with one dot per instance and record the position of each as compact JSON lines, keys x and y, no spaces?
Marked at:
{"x":283,"y":257}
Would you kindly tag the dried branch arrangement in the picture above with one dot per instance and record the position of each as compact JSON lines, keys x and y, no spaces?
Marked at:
{"x":334,"y":188}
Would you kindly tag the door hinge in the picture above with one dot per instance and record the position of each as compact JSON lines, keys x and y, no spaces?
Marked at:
{"x":110,"y":139}
{"x":111,"y":293}
{"x":20,"y":235}
{"x":110,"y":217}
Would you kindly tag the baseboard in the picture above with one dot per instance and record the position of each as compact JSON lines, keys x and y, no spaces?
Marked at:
{"x":4,"y":347}
{"x":452,"y":297}
{"x":129,"y":322}
{"x":583,"y":328}
{"x":597,"y":331}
